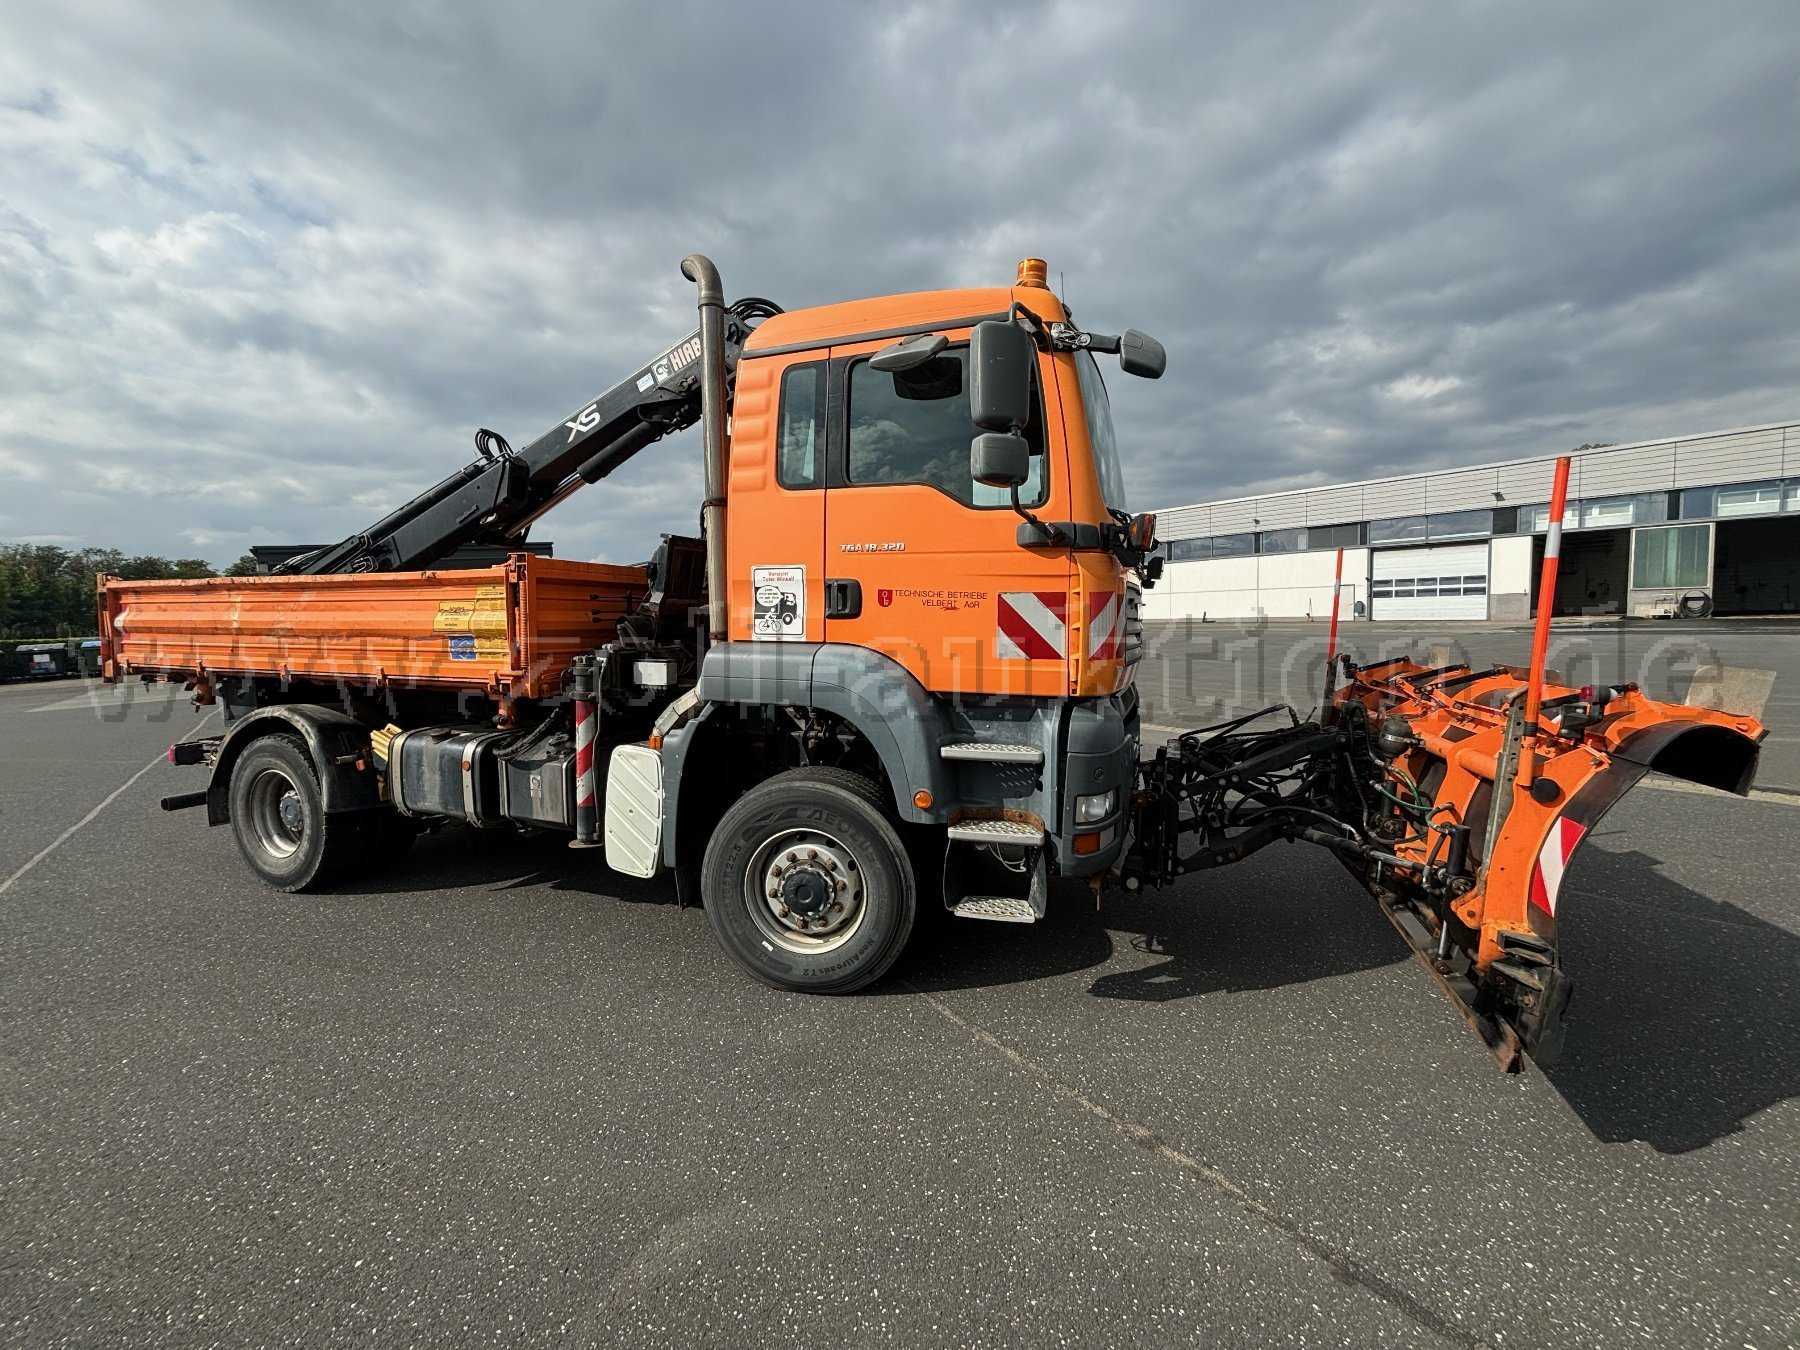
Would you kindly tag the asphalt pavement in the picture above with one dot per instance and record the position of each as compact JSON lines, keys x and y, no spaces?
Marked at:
{"x":502,"y":1096}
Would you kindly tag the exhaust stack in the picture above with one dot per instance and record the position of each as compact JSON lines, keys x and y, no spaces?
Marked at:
{"x":699,"y":269}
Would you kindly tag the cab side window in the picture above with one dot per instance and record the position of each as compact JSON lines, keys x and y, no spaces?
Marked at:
{"x":800,"y":446}
{"x":913,"y":426}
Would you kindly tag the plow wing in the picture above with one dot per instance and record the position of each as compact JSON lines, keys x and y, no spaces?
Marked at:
{"x":1461,"y":754}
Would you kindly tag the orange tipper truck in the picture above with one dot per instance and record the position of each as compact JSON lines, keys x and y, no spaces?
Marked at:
{"x":895,"y":670}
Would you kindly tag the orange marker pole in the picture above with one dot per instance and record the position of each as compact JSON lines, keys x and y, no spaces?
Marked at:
{"x":1337,"y":589}
{"x":1540,"y":638}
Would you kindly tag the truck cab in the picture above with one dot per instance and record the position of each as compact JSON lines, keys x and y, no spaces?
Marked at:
{"x":975,"y":625}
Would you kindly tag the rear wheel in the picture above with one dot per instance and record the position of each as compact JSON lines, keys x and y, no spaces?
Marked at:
{"x":278,"y":815}
{"x":808,"y":884}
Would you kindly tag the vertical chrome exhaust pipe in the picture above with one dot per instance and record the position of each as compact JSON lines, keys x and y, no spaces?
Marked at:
{"x":698,"y":268}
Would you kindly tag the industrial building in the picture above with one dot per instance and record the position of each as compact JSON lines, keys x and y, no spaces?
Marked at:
{"x":1690,"y":524}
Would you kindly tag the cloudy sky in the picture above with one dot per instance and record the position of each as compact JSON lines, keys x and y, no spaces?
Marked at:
{"x":265,"y":267}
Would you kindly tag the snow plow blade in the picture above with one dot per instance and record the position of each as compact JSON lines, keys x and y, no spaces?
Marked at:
{"x":1495,"y":811}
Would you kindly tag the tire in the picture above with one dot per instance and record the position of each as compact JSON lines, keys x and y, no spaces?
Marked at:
{"x":279,"y":818}
{"x":825,"y":838}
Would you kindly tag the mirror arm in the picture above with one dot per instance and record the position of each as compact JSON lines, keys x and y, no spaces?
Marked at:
{"x":1050,"y":533}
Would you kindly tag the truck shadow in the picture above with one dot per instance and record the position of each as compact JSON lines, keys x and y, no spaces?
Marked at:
{"x":1274,"y":921}
{"x":459,"y":858}
{"x":1686,"y":1016}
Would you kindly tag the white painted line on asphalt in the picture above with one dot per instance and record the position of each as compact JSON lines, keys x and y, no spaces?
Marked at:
{"x":1342,"y":1267}
{"x":105,"y":802}
{"x":1779,"y":796}
{"x":95,"y":701}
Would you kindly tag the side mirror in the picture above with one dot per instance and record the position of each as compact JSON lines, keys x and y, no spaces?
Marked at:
{"x":1001,"y":356}
{"x":999,"y":459}
{"x":1141,"y":354}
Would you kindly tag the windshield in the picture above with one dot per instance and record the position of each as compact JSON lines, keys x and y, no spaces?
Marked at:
{"x":1100,"y":431}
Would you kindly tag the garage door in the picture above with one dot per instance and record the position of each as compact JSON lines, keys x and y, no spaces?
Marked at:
{"x":1449,"y":582}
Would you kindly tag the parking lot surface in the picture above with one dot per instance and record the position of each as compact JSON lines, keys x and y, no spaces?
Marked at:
{"x":500,"y":1095}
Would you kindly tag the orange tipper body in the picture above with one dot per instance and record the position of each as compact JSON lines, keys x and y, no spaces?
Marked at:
{"x":508,"y":631}
{"x":1529,"y":797}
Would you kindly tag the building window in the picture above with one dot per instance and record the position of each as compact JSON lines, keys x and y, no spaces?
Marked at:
{"x":1461,"y":525}
{"x":1608,"y":513}
{"x":1674,"y":555}
{"x":802,"y":426}
{"x":1281,"y":541}
{"x":1233,"y":545}
{"x":1747,"y":499}
{"x":1397,"y":530}
{"x":1506,"y":520}
{"x":1187,"y":550}
{"x":1697,"y":503}
{"x":1333,"y":536}
{"x":1538,"y":517}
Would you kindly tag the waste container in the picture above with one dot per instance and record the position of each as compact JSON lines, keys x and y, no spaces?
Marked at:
{"x":84,"y":657}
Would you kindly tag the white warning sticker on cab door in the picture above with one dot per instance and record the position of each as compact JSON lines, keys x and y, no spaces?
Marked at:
{"x":778,"y":604}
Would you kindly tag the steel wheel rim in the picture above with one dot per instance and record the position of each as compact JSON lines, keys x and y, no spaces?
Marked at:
{"x":815,"y":878}
{"x":277,"y":815}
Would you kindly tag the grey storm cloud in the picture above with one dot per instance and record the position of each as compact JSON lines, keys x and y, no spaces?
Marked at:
{"x":264,"y":268}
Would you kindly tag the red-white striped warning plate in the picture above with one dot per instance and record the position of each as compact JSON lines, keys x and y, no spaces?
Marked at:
{"x":1106,"y":625}
{"x":1552,"y":861}
{"x":1032,"y":625}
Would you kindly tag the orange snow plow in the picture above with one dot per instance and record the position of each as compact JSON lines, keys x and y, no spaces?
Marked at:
{"x":1485,"y":811}
{"x":1457,"y":813}
{"x":1456,"y":796}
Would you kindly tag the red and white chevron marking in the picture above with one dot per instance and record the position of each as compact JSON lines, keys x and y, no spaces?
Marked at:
{"x":1031,"y":625}
{"x":587,"y":730}
{"x":1552,"y":860}
{"x":1106,"y":625}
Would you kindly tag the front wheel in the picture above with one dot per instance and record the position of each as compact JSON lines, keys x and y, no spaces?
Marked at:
{"x":808,"y":884}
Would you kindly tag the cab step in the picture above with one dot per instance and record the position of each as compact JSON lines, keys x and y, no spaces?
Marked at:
{"x":991,"y":752}
{"x":1000,"y":908}
{"x":996,"y":832}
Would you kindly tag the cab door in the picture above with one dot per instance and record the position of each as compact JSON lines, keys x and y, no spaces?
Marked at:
{"x":775,"y":535}
{"x":922,"y":563}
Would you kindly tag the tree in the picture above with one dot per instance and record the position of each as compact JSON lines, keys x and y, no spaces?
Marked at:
{"x":246,"y":566}
{"x":48,"y":592}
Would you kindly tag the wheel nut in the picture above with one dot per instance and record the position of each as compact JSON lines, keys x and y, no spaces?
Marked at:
{"x":812,"y":855}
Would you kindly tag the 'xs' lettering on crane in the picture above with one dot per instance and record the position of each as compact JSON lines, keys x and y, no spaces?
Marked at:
{"x":585,"y":421}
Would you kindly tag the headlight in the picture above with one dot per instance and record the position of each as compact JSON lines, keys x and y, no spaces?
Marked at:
{"x":1095,"y":807}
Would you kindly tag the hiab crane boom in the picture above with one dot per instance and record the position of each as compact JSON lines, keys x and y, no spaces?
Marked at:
{"x":896,"y":669}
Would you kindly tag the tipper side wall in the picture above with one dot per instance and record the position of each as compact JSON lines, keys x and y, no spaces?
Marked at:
{"x":511,"y":630}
